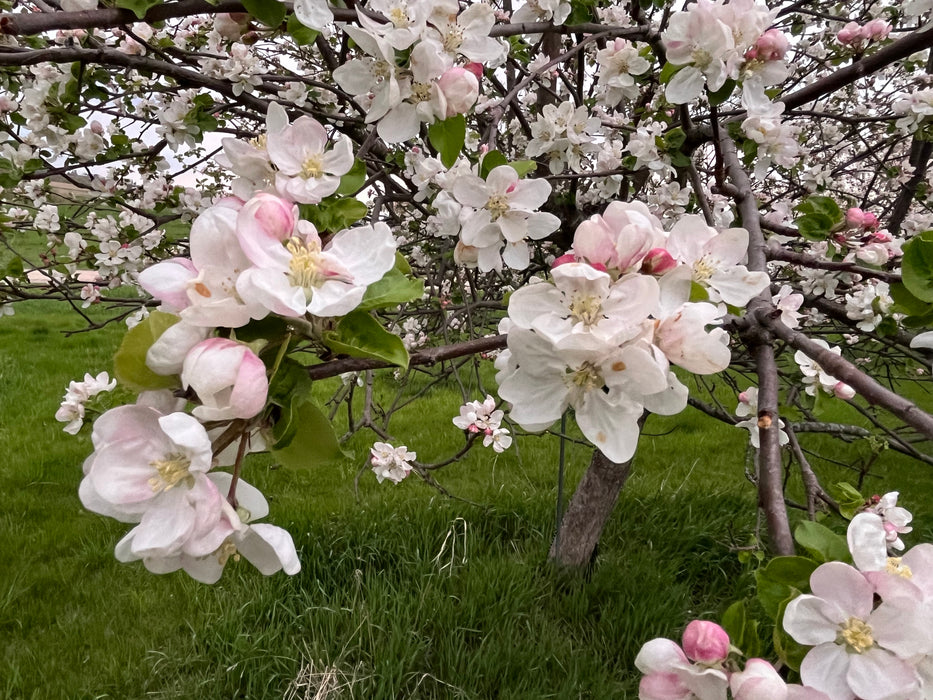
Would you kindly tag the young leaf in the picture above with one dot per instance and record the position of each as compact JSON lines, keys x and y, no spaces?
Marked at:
{"x":393,"y":289}
{"x":360,"y":335}
{"x":821,"y":542}
{"x":492,"y":159}
{"x":269,"y":12}
{"x":448,"y":137}
{"x":129,"y":362}
{"x":918,"y":266}
{"x":304,"y":437}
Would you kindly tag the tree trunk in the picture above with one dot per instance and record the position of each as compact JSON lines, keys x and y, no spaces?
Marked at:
{"x":593,"y":502}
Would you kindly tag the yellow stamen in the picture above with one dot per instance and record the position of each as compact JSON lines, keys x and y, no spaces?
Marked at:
{"x":856,"y":635}
{"x":172,"y":471}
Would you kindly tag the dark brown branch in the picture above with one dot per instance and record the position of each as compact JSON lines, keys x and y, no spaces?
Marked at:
{"x":902,"y":48}
{"x":429,"y":356}
{"x":777,"y":252}
{"x":845,"y":371}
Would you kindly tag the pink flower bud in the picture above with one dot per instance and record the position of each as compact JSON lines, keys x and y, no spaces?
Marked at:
{"x":849,"y":34}
{"x":743,"y":398}
{"x":263,"y":224}
{"x":706,"y":642}
{"x":460,"y":88}
{"x":843,"y":391}
{"x":229,"y":379}
{"x":869,"y":221}
{"x":771,"y":46}
{"x":876,"y":30}
{"x":657,"y":261}
{"x":855,"y":218}
{"x":476,"y":69}
{"x":759,"y":681}
{"x":97,"y":127}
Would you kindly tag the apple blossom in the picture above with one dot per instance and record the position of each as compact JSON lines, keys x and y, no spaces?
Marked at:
{"x":705,"y":642}
{"x":392,"y":463}
{"x":228,"y":378}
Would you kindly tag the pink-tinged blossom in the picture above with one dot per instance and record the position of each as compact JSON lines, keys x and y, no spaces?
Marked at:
{"x":606,"y":386}
{"x":267,"y":547}
{"x":504,"y":213}
{"x":858,"y":650}
{"x":894,"y":517}
{"x":308,"y":171}
{"x":856,"y":218}
{"x":479,"y":416}
{"x":619,"y":238}
{"x":392,"y":463}
{"x":670,"y":675}
{"x":217,"y":261}
{"x":683,"y":337}
{"x":305,"y":277}
{"x":699,"y":41}
{"x":760,"y":681}
{"x":584,"y":302}
{"x":77,"y":395}
{"x":770,"y":46}
{"x":460,"y":88}
{"x":713,"y":260}
{"x":150,"y":468}
{"x":499,"y":439}
{"x":228,"y":378}
{"x":705,"y":642}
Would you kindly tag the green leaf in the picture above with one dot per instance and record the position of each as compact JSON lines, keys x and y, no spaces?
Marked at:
{"x":269,"y":12}
{"x":907,"y":303}
{"x":493,"y":159}
{"x":674,"y":139}
{"x":448,"y":137}
{"x":304,"y":438}
{"x":138,"y":7}
{"x":719,"y":96}
{"x":819,"y":204}
{"x":334,"y":213}
{"x":821,"y":542}
{"x":770,"y":593}
{"x":733,"y":621}
{"x":790,"y":571}
{"x":129,"y":362}
{"x":352,"y":182}
{"x":667,"y":72}
{"x":917,"y":266}
{"x":300,"y":33}
{"x":848,"y":498}
{"x":523,"y":167}
{"x":393,"y":289}
{"x":14,"y":268}
{"x":698,"y":292}
{"x":360,"y":335}
{"x":814,"y":227}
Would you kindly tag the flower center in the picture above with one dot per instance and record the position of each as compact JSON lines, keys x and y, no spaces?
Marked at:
{"x":258,"y":141}
{"x":703,"y":269}
{"x":313,"y":166}
{"x":895,"y":567}
{"x":497,"y":205}
{"x":453,"y":37}
{"x":225,"y":551}
{"x":399,"y":17}
{"x":172,"y":471}
{"x":585,"y":378}
{"x":586,"y":310}
{"x":306,"y":268}
{"x":381,"y":70}
{"x":856,"y":635}
{"x":701,"y":58}
{"x":421,"y":92}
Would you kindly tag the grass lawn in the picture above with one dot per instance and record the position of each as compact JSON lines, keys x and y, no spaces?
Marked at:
{"x":403,"y":593}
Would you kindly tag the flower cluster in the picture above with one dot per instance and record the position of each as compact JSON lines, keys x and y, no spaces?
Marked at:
{"x":719,"y":41}
{"x":866,"y":626}
{"x":392,"y":463}
{"x":250,"y":257}
{"x":73,"y":404}
{"x":601,"y":338}
{"x":483,"y":417}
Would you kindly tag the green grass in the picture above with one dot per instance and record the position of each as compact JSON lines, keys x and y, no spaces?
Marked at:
{"x":381,"y":602}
